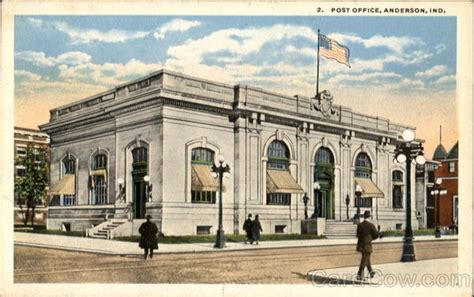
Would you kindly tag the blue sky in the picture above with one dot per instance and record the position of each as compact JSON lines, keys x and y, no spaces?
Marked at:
{"x":397,"y":62}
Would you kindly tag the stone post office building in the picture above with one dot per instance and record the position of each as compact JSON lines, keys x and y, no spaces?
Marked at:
{"x":169,"y":128}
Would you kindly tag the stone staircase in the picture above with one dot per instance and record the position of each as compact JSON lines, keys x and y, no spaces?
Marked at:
{"x":103,"y":230}
{"x":336,"y":229}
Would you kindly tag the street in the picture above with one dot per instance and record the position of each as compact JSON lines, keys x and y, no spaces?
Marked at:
{"x":270,"y":266}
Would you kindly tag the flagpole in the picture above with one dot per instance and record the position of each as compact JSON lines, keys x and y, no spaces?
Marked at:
{"x":317,"y":73}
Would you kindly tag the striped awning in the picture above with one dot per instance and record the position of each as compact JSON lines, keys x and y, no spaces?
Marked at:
{"x":65,"y":186}
{"x":102,"y":172}
{"x":369,"y":188}
{"x":281,"y":181}
{"x":202,"y":180}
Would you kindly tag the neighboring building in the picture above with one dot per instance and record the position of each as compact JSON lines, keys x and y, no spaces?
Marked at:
{"x":425,"y":178}
{"x":22,"y":138}
{"x":171,"y":128}
{"x":448,"y":172}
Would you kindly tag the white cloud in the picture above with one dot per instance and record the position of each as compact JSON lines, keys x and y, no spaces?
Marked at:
{"x":237,"y":42}
{"x":40,"y":58}
{"x":446,"y":79}
{"x":27,"y":75}
{"x":397,"y":44}
{"x":175,"y":25}
{"x":35,"y":22}
{"x":307,"y":51}
{"x":338,"y":79}
{"x":107,"y":74}
{"x":93,"y":35}
{"x":37,"y":58}
{"x":433,"y":71}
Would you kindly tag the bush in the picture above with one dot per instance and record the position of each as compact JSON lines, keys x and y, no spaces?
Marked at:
{"x":419,"y":232}
{"x":229,"y":238}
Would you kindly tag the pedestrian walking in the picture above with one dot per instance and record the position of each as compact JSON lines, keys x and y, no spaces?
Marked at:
{"x":366,"y":232}
{"x":256,"y":228}
{"x":148,"y":239}
{"x":248,"y":229}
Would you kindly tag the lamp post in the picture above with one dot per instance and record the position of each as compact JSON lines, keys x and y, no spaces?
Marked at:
{"x":305,"y":201}
{"x":437,"y":191}
{"x":316,"y":187}
{"x":358,"y":195}
{"x":148,"y":188}
{"x":348,"y":200}
{"x":408,"y":152}
{"x":220,"y":170}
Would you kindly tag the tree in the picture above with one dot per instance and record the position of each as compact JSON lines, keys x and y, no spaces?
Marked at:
{"x":31,"y":187}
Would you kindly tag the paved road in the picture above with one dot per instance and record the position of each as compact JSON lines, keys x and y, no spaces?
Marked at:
{"x":275,"y":266}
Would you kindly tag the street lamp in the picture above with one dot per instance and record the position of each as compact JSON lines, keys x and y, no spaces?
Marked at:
{"x":121,"y":189}
{"x":305,"y":201}
{"x":148,"y":188}
{"x":358,"y":195}
{"x":348,"y":201}
{"x":437,"y":191}
{"x":220,"y":170}
{"x":316,"y":187}
{"x":408,"y":152}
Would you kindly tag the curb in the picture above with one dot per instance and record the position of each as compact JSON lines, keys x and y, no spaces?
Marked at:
{"x":210,"y":250}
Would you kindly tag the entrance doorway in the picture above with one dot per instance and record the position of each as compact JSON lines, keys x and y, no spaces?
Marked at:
{"x":140,"y":170}
{"x":324,"y":175}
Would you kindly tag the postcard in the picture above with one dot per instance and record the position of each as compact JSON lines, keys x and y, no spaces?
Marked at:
{"x":235,"y":148}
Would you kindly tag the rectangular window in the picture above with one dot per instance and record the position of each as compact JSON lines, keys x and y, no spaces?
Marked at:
{"x":203,"y":197}
{"x":452,"y":167}
{"x":364,"y":202}
{"x":20,"y":171}
{"x":69,"y":200}
{"x":99,"y":190}
{"x":278,"y":199}
{"x":397,"y":197}
{"x":20,"y":152}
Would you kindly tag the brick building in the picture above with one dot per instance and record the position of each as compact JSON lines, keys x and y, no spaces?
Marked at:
{"x":448,"y":172}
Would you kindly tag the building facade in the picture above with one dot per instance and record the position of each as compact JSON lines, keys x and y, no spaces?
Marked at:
{"x":24,"y":137}
{"x":147,"y":147}
{"x":448,"y":173}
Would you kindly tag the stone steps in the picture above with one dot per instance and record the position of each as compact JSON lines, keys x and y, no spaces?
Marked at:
{"x":338,"y":230}
{"x":105,"y":228}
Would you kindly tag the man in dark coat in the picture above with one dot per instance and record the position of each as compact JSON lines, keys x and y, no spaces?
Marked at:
{"x":256,"y":228}
{"x":248,"y":229}
{"x":148,"y":239}
{"x":366,"y":232}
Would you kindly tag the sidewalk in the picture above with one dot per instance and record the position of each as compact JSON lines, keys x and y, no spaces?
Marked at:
{"x":427,"y":273}
{"x":112,"y":247}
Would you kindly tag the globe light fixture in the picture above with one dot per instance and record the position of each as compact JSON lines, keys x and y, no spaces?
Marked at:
{"x":409,"y":152}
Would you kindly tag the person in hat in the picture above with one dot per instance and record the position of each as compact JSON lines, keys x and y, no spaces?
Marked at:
{"x":148,"y":239}
{"x":366,"y":232}
{"x":256,"y":229}
{"x":248,"y":229}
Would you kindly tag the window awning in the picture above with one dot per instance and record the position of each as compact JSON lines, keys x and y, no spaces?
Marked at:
{"x":281,"y":181}
{"x":102,"y":172}
{"x":369,"y":188}
{"x":202,"y":180}
{"x":65,"y":186}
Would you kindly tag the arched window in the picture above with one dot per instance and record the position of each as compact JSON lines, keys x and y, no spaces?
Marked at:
{"x":98,"y":179}
{"x":363,"y":166}
{"x":140,"y":155}
{"x":203,"y":185}
{"x":363,"y":169}
{"x":324,"y":176}
{"x":69,"y":165}
{"x":279,"y":159}
{"x":69,"y":169}
{"x":278,"y":155}
{"x":397,"y":189}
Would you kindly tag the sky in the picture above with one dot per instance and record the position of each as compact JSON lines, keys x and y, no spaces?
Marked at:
{"x":402,"y":68}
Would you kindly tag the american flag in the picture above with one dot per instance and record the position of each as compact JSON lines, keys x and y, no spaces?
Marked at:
{"x":331,"y":49}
